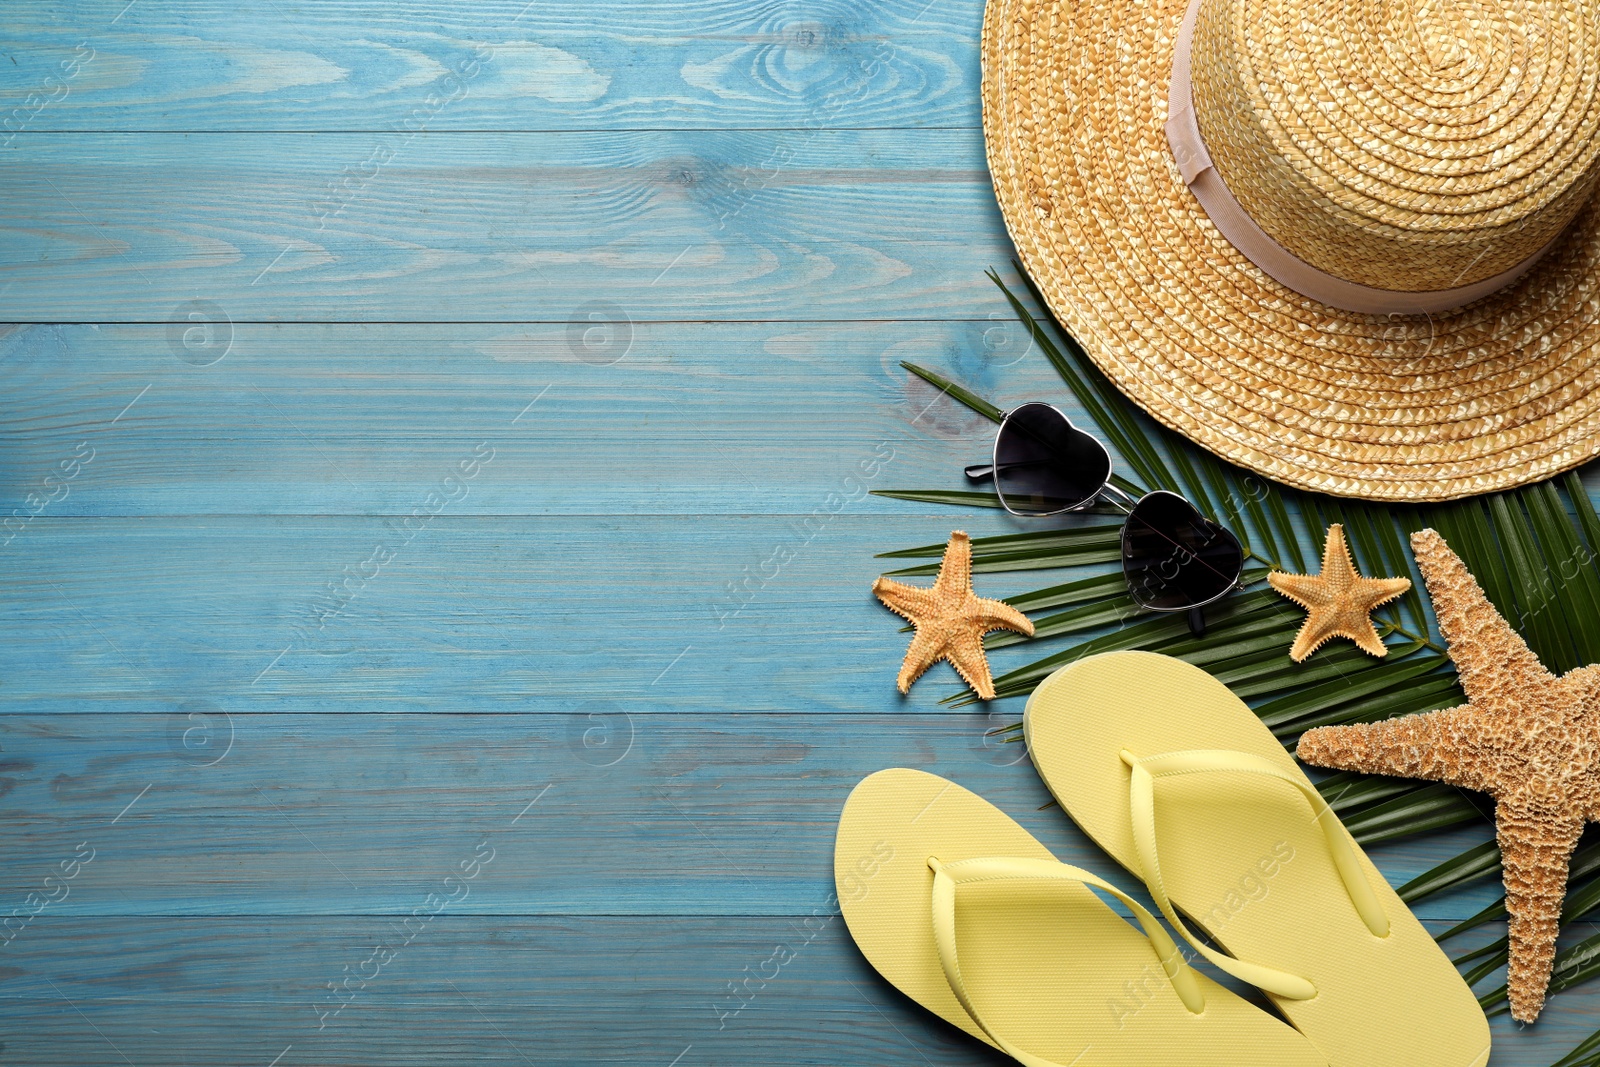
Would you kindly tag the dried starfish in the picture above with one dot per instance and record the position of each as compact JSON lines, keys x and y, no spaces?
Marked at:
{"x":1339,"y":600}
{"x":1527,"y":738}
{"x":950,"y":621}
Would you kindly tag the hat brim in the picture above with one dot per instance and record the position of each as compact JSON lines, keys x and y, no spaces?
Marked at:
{"x":1494,"y":395}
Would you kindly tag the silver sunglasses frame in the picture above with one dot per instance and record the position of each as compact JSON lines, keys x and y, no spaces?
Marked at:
{"x":1118,"y":498}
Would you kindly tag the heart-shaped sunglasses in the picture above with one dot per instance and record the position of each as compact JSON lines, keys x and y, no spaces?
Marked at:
{"x":1175,"y":559}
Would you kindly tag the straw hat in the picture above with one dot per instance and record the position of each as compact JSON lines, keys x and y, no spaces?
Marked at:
{"x":1346,"y":243}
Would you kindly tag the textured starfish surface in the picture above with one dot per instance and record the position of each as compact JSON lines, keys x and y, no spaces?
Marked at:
{"x":950,"y":621}
{"x":1527,"y":738}
{"x":1339,"y":600}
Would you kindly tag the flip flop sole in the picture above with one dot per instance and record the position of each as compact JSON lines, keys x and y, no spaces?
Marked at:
{"x":1050,"y":967}
{"x":1242,"y":858}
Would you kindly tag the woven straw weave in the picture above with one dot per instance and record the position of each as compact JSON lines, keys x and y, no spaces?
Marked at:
{"x":1404,"y":147}
{"x":1401,"y":150}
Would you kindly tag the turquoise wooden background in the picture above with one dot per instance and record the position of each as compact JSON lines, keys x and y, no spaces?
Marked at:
{"x":440,"y":432}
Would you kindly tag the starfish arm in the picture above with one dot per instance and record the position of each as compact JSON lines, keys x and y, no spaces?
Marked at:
{"x":998,"y":615}
{"x":1492,"y":659}
{"x":1337,"y":566}
{"x":965,"y":653}
{"x":926,"y":650}
{"x":1305,"y":590}
{"x":1436,"y":745}
{"x":1536,"y":840}
{"x":1379,"y":591}
{"x":1367,"y":640}
{"x":955,"y":571}
{"x":908,"y":601}
{"x":1318,"y":628}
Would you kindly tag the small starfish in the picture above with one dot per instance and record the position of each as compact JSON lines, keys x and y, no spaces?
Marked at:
{"x":1525,"y":737}
{"x":950,"y":621}
{"x":1339,"y":600}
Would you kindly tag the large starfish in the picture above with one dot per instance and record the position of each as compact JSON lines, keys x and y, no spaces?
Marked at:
{"x":950,"y":621}
{"x":1525,"y":737}
{"x":1338,"y":600}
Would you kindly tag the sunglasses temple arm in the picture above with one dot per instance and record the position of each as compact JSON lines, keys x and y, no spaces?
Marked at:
{"x":980,"y":472}
{"x":1118,"y":498}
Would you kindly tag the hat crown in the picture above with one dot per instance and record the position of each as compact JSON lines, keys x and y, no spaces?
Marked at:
{"x":1411,"y":146}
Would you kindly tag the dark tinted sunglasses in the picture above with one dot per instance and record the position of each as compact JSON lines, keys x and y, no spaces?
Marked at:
{"x":1175,"y":558}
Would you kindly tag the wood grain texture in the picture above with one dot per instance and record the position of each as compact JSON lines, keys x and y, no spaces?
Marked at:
{"x":470,"y":407}
{"x":489,"y":613}
{"x":601,"y":989}
{"x":835,"y":224}
{"x":610,"y":989}
{"x":632,"y":812}
{"x":625,"y":418}
{"x":585,"y":418}
{"x":166,"y":65}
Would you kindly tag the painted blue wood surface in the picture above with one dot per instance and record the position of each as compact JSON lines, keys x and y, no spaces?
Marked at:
{"x":559,"y":64}
{"x":761,"y":224}
{"x":645,"y":417}
{"x":620,"y":311}
{"x":645,"y":812}
{"x":517,"y":990}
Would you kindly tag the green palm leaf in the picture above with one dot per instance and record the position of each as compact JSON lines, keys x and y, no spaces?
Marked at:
{"x":1042,"y":542}
{"x":942,"y":496}
{"x":1099,"y":587}
{"x":956,"y":392}
{"x":1431,"y":807}
{"x":1477,"y":862}
{"x":1391,"y":688}
{"x":1078,"y":620}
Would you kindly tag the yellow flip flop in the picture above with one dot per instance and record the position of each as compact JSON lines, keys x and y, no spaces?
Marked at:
{"x":967,"y":914}
{"x":1177,"y":779}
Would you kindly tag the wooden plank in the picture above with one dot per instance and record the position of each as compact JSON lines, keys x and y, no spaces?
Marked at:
{"x":609,"y":808}
{"x":837,"y":224}
{"x":469,"y":990}
{"x":607,"y":990}
{"x":490,"y":64}
{"x":649,"y":417}
{"x":484,"y":614}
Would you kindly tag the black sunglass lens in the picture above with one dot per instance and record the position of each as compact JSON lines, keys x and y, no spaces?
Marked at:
{"x":1176,"y":558}
{"x":1044,"y":464}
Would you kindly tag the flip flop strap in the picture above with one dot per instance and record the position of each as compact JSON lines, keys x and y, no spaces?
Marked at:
{"x":1142,"y":804}
{"x":947,"y":877}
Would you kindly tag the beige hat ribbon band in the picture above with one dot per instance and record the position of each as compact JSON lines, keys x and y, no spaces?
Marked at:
{"x":1234,"y":222}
